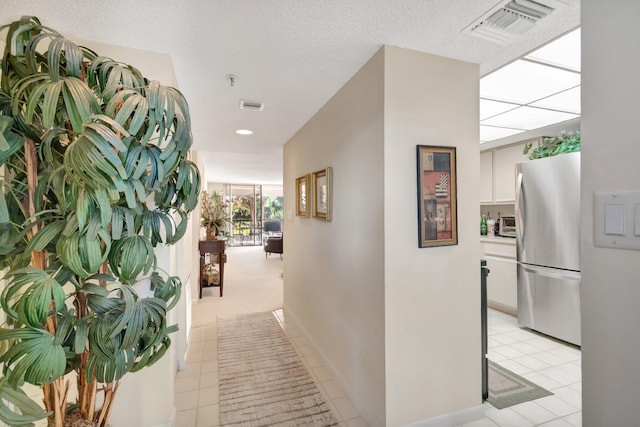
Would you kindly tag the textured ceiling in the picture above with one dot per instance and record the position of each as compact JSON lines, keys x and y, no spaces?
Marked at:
{"x":293,"y":55}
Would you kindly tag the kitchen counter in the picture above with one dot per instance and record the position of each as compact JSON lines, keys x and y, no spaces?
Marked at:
{"x":498,"y":239}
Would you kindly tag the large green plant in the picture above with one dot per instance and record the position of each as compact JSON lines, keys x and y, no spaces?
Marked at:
{"x":95,"y":176}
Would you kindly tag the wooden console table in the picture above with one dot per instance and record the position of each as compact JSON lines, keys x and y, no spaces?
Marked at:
{"x":216,"y":249}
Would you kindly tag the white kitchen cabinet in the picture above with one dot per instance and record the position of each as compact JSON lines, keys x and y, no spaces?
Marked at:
{"x":486,"y":177}
{"x":504,"y":176}
{"x":500,"y":254}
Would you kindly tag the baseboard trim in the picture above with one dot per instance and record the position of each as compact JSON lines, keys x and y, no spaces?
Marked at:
{"x":452,"y":419}
{"x":503,"y":308}
{"x":371,"y":420}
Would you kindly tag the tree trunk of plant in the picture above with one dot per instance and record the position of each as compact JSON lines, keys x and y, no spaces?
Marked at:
{"x":55,"y":394}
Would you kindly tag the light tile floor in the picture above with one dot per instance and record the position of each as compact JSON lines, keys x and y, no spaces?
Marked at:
{"x":552,"y":364}
{"x":547,"y":362}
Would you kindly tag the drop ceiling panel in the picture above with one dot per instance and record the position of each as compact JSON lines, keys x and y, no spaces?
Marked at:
{"x":528,"y":118}
{"x":490,"y":108}
{"x":568,"y":101}
{"x":524,"y":82}
{"x":564,"y":52}
{"x":489,"y":133}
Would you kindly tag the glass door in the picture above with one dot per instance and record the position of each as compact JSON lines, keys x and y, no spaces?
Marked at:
{"x":246,"y":214}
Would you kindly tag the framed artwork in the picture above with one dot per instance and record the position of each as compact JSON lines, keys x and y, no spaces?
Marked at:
{"x":302,"y":195}
{"x":322,"y":194}
{"x":437,"y":209}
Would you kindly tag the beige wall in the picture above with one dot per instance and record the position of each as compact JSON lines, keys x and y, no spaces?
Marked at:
{"x":610,"y":153}
{"x":398,"y":324}
{"x":432,"y":295}
{"x":334,"y":271}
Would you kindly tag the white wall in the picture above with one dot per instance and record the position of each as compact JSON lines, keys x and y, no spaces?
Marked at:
{"x":334,"y":271}
{"x":399,"y":325}
{"x":432,"y":295}
{"x":152,"y":65}
{"x":610,"y":153}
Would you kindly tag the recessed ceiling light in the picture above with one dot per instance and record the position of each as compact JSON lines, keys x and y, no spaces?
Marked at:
{"x":244,"y":132}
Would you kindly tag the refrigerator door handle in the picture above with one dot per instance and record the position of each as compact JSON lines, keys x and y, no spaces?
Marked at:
{"x":553,"y":273}
{"x":520,"y":212}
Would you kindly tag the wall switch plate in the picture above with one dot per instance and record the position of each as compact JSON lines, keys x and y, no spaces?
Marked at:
{"x":616,"y":219}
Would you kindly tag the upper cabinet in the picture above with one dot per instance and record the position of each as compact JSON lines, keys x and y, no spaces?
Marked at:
{"x":497,"y":173}
{"x":486,"y":177}
{"x":504,"y":172}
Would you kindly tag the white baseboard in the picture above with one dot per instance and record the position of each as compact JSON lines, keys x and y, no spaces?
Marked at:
{"x":447,"y":420}
{"x":503,"y":308}
{"x":371,"y":420}
{"x":452,"y":419}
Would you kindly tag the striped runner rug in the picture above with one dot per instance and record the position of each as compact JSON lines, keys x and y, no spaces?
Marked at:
{"x":263,"y":381}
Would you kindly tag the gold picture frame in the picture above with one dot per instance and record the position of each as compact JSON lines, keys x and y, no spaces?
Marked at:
{"x":321,"y":200}
{"x":437,"y":198}
{"x":302,"y":195}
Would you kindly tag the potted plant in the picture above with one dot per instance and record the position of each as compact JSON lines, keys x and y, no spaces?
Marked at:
{"x":213,"y":214}
{"x":95,"y":175}
{"x":553,"y":146}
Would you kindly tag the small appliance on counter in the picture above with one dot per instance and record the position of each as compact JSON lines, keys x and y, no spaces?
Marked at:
{"x":507,"y":226}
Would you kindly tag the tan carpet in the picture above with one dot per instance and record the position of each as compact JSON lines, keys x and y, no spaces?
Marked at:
{"x":263,"y":381}
{"x":252,"y":283}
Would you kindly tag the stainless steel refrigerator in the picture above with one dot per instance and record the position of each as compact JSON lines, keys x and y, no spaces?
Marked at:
{"x":548,"y":245}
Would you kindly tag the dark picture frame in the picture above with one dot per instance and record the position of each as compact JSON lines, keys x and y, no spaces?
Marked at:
{"x":437,"y":196}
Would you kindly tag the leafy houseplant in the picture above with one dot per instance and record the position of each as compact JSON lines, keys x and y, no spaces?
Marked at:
{"x":213,"y":214}
{"x":565,"y":143}
{"x":95,"y":176}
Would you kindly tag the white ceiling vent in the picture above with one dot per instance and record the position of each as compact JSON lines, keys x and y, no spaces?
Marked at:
{"x":251,"y":105}
{"x":510,"y":20}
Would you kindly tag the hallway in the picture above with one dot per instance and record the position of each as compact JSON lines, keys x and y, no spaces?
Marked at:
{"x":253,"y":283}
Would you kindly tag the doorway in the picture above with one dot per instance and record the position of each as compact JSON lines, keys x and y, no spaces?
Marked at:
{"x":252,"y":208}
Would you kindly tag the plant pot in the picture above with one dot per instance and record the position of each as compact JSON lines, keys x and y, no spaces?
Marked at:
{"x":212,"y":233}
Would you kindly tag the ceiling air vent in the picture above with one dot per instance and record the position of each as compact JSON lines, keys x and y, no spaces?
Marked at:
{"x":251,"y":105}
{"x":510,"y":20}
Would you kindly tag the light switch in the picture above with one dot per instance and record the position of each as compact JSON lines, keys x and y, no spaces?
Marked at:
{"x":614,"y":219}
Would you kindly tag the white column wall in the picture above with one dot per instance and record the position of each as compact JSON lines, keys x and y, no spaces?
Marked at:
{"x":610,"y":153}
{"x":432,"y":295}
{"x":333,"y":271}
{"x":399,"y":325}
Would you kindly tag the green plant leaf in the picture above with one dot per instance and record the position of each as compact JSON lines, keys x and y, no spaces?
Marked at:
{"x":131,"y":256}
{"x":45,"y":236}
{"x":16,"y":408}
{"x":34,"y":356}
{"x":66,"y":55}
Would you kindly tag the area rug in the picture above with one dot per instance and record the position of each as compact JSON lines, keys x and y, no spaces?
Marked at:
{"x":507,"y":388}
{"x":263,"y":381}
